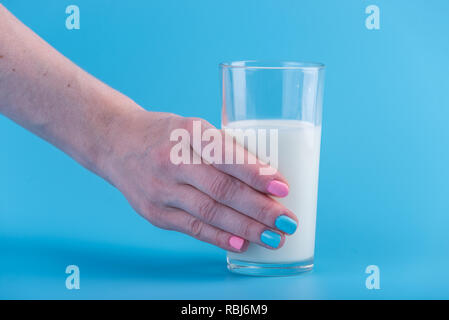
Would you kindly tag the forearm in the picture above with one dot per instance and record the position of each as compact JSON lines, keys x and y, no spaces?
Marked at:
{"x":46,"y":93}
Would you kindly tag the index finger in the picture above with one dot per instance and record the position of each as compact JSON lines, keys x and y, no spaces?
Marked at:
{"x":222,"y":151}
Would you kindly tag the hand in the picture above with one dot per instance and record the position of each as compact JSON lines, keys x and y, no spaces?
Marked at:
{"x":225,"y":205}
{"x":106,"y":132}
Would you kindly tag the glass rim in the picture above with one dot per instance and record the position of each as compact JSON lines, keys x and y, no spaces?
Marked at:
{"x":273,"y":64}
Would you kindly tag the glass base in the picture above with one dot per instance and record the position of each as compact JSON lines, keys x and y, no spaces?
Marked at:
{"x":269,"y":269}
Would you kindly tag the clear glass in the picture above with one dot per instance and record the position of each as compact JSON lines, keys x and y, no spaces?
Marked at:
{"x":286,"y":97}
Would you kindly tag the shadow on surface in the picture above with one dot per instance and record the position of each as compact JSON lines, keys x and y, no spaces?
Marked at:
{"x":105,"y":261}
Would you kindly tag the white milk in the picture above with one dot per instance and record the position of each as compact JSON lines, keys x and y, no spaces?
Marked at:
{"x":298,"y":158}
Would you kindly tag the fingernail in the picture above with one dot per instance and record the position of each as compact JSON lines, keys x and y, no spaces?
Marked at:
{"x":277,"y":188}
{"x":270,"y":238}
{"x":286,"y":224}
{"x":236,"y":242}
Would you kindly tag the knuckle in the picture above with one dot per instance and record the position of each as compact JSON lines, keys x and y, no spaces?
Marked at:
{"x":162,"y":225}
{"x":208,"y":210}
{"x":176,"y":122}
{"x":264,"y":212}
{"x":187,"y":123}
{"x":196,"y":227}
{"x":147,"y":210}
{"x":220,"y":239}
{"x":247,"y":230}
{"x":205,"y":124}
{"x":158,"y":192}
{"x":254,"y":178}
{"x":223,"y":188}
{"x":157,"y":218}
{"x":160,"y":157}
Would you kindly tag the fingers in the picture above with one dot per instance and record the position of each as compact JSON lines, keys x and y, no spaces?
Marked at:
{"x":274,"y":184}
{"x":254,"y":173}
{"x":179,"y":220}
{"x":237,"y":195}
{"x":225,"y":218}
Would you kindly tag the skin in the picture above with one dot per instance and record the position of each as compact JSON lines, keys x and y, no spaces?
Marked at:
{"x":112,"y":136}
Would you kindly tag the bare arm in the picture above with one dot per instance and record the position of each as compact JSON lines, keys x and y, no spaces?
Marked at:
{"x":112,"y":136}
{"x":46,"y":93}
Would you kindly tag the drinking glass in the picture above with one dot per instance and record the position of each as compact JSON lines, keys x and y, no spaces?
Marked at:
{"x":283,"y":98}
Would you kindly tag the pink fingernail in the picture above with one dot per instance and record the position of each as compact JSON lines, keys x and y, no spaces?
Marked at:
{"x":236,"y":242}
{"x":277,"y":188}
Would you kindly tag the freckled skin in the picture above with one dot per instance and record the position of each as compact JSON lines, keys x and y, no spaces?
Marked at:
{"x":112,"y":136}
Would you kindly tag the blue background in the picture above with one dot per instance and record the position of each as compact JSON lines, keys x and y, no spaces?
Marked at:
{"x":384,"y":180}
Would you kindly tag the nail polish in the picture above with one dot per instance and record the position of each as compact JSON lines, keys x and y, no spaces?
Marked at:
{"x":286,"y":224}
{"x":270,"y":238}
{"x":277,"y":188}
{"x":236,"y":242}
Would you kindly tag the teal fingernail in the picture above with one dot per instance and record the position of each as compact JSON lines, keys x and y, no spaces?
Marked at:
{"x":286,"y":224}
{"x":270,"y":238}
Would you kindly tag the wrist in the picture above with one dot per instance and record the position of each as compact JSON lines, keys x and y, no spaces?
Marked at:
{"x":116,"y":136}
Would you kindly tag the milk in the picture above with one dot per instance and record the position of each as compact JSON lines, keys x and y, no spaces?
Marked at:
{"x":298,"y":159}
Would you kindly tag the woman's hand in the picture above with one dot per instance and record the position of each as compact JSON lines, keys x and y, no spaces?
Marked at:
{"x":106,"y":132}
{"x":223,"y":204}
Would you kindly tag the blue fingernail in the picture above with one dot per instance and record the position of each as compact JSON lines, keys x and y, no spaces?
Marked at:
{"x":286,"y":224}
{"x":270,"y":238}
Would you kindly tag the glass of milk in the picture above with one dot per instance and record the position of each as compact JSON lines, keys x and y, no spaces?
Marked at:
{"x":284,"y":98}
